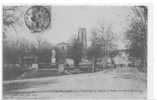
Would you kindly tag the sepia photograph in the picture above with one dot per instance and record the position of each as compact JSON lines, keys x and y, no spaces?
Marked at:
{"x":74,"y":52}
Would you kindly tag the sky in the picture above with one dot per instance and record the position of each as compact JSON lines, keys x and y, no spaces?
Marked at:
{"x":66,"y":20}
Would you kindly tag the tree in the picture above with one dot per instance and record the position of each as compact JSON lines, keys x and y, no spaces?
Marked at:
{"x":11,"y":48}
{"x":60,"y":55}
{"x":76,"y":51}
{"x":94,"y":52}
{"x":137,"y":34}
{"x":105,"y":38}
{"x":101,"y":44}
{"x":43,"y":50}
{"x":10,"y":19}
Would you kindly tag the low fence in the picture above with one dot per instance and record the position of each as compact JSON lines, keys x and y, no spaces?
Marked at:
{"x":12,"y":71}
{"x":47,"y":65}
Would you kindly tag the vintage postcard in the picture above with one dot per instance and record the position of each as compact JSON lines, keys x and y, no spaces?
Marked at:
{"x":74,"y":51}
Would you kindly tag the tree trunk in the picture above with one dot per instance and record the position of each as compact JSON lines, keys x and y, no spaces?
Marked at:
{"x":113,"y":62}
{"x":94,"y":64}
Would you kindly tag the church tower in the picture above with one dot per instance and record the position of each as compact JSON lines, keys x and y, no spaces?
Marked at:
{"x":82,"y":36}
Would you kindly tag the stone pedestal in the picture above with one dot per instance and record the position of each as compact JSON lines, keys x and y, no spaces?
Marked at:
{"x":53,"y":60}
{"x":61,"y":68}
{"x":35,"y":66}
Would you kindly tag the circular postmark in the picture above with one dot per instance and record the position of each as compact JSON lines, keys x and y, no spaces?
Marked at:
{"x":37,"y":18}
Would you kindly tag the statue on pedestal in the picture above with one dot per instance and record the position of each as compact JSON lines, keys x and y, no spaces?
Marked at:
{"x":53,"y":59}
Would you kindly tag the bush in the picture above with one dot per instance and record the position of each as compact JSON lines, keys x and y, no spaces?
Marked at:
{"x":12,"y":72}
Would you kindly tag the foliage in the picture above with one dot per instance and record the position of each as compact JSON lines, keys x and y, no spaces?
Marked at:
{"x":95,"y":50}
{"x":76,"y":51}
{"x":10,"y":19}
{"x":44,"y":55}
{"x":12,"y":72}
{"x":43,"y":50}
{"x":13,"y":51}
{"x":103,"y":38}
{"x":60,"y":55}
{"x":101,"y":44}
{"x":137,"y":34}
